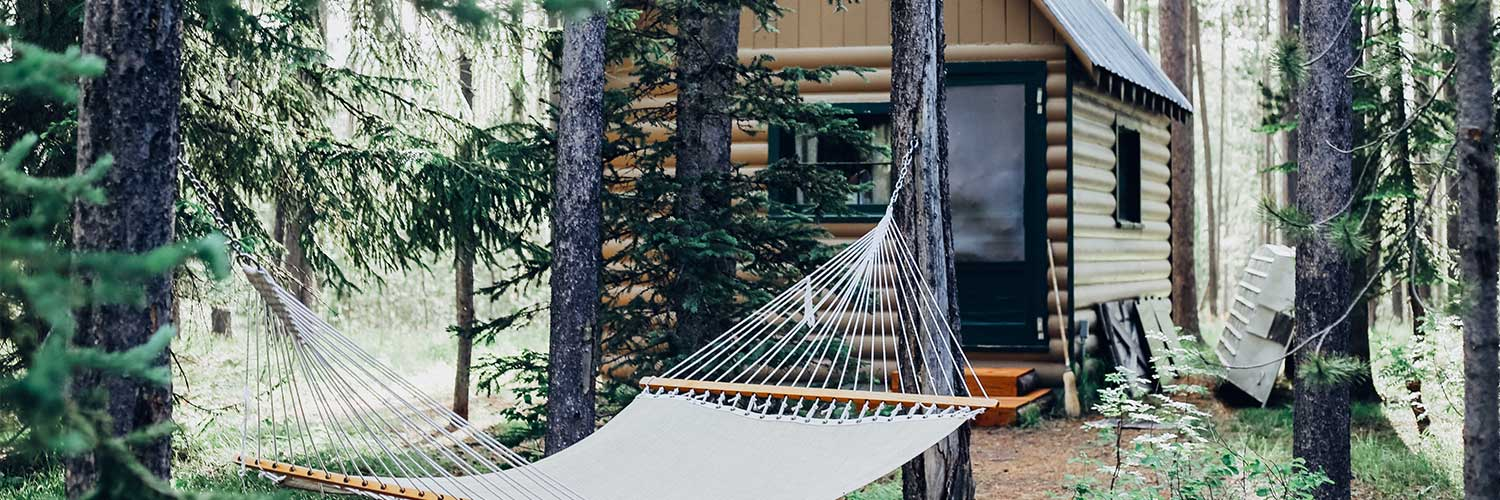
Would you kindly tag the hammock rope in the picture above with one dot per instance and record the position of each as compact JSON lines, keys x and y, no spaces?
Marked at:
{"x":859,"y":349}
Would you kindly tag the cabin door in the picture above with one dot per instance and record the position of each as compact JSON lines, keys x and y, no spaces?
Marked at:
{"x":996,"y":189}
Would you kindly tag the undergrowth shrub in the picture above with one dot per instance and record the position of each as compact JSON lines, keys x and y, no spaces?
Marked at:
{"x":1165,"y":446}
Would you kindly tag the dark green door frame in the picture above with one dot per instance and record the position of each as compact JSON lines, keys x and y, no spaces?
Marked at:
{"x":1002,"y":304}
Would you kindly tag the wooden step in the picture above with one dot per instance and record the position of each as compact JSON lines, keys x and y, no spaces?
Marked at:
{"x":1009,"y":410}
{"x":997,"y":382}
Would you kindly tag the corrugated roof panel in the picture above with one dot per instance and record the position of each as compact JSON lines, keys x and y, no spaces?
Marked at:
{"x":1106,"y":43}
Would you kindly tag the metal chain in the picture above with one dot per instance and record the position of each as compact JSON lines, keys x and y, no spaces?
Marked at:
{"x":236,"y":244}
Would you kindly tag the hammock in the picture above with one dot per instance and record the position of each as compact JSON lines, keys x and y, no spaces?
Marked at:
{"x":798,"y":401}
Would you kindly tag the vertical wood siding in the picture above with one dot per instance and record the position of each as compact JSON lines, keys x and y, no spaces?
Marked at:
{"x":816,"y":23}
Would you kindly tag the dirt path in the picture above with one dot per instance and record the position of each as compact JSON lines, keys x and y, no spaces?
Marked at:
{"x":1035,"y":463}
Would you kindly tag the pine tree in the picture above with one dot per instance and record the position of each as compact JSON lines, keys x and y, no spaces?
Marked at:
{"x":1174,"y":61}
{"x":1291,"y":24}
{"x":1325,"y":99}
{"x":1477,"y":256}
{"x":919,"y":131}
{"x":576,"y":240}
{"x":707,"y":60}
{"x":45,"y":283}
{"x":1208,"y":161}
{"x":131,"y":112}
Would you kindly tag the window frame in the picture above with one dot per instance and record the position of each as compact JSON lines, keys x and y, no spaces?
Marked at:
{"x":780,"y":144}
{"x":1128,"y":181}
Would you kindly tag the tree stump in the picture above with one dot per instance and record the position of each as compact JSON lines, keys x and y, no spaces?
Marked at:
{"x":222,"y":322}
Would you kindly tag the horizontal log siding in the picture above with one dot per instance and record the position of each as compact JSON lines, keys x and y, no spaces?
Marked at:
{"x":1109,"y":263}
{"x":818,"y":23}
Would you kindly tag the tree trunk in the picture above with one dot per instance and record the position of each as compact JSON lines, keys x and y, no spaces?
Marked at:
{"x":463,"y":290}
{"x":291,"y":211}
{"x":1321,"y":412}
{"x":1174,"y":62}
{"x":919,"y":119}
{"x":1291,"y":22}
{"x":1208,"y":163}
{"x":707,"y":64}
{"x":1477,"y":264}
{"x":463,"y":276}
{"x":1267,"y":190}
{"x":1362,"y":317}
{"x":1145,"y":13}
{"x":576,"y":245}
{"x":289,"y":222}
{"x":1450,"y":94}
{"x":1224,"y":295}
{"x":131,"y":112}
{"x":1419,"y":294}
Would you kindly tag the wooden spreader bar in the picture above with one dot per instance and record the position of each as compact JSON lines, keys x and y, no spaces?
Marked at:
{"x":343,"y":481}
{"x":833,"y":395}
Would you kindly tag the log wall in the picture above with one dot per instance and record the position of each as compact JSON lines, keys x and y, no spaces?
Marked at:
{"x":1108,"y":263}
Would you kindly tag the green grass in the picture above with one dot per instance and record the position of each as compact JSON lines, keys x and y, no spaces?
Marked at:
{"x":28,"y":481}
{"x":1384,"y":467}
{"x":888,"y":488}
{"x":403,"y":323}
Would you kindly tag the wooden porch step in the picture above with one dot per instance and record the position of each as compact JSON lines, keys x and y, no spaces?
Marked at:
{"x":998,"y":382}
{"x":1015,"y":388}
{"x":1008,"y":412}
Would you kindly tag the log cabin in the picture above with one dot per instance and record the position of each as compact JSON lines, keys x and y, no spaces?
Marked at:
{"x":1058,"y":123}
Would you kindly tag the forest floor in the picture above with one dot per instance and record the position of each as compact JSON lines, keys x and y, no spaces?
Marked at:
{"x":1043,"y":461}
{"x":403,"y":322}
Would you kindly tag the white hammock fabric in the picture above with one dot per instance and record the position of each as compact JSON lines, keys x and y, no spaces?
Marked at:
{"x":799,"y":401}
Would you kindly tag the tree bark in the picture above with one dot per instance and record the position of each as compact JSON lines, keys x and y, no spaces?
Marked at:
{"x":289,"y":222}
{"x":463,"y":289}
{"x":1367,"y":171}
{"x":1267,"y":190}
{"x":291,"y":211}
{"x":1174,"y":62}
{"x":130,"y":112}
{"x":1450,"y":94}
{"x":1477,"y":264}
{"x":707,"y":63}
{"x":1291,"y":22}
{"x":576,"y":242}
{"x":463,"y":276}
{"x":1208,"y":164}
{"x":1223,"y":120}
{"x":919,"y":120}
{"x":1321,"y":413}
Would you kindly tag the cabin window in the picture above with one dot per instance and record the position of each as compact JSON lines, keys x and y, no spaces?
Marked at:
{"x":1127,"y":177}
{"x":870,"y":169}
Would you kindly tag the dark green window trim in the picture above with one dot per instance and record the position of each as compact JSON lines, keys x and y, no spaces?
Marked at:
{"x":1127,"y":177}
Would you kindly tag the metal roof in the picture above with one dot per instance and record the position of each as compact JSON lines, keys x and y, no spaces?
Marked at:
{"x":1103,"y":42}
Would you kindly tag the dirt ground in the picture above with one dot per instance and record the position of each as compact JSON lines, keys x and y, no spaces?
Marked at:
{"x":1034,"y":463}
